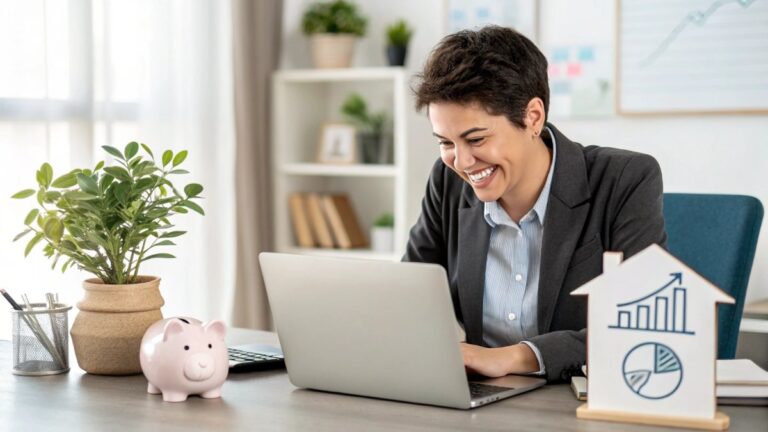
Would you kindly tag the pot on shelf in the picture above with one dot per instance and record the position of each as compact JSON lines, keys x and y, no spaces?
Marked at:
{"x":112,"y":320}
{"x":396,"y":54}
{"x":332,"y":50}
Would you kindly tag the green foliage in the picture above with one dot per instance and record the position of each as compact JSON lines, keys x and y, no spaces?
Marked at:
{"x":385,"y":220}
{"x":356,"y":109}
{"x":399,"y":33}
{"x":337,"y":16}
{"x":106,"y":221}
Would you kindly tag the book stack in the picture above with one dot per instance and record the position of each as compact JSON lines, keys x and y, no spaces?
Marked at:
{"x":741,"y":382}
{"x":325,"y":220}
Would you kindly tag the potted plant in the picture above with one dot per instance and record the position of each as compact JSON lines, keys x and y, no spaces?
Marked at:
{"x":375,"y":142}
{"x":333,"y":28}
{"x":383,"y":233}
{"x":398,"y":36}
{"x":108,"y":221}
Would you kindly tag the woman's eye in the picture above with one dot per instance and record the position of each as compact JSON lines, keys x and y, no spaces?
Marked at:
{"x":475,"y":140}
{"x":446,"y":144}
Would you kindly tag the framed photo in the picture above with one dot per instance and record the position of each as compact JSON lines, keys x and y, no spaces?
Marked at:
{"x":337,"y":145}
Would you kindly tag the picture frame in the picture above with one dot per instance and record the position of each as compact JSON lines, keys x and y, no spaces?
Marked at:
{"x":337,"y":144}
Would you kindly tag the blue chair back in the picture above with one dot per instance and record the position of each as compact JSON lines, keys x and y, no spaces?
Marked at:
{"x":716,"y":235}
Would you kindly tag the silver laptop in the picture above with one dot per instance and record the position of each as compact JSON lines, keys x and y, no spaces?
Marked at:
{"x":374,"y":328}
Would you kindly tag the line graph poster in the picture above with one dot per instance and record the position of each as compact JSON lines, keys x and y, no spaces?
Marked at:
{"x":681,"y":56}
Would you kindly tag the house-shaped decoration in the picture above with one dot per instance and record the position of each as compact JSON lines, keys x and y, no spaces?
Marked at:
{"x":651,"y":342}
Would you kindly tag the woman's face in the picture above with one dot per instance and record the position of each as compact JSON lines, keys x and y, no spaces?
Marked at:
{"x":489,"y":152}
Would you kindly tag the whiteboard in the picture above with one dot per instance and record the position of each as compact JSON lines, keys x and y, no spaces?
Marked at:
{"x":474,"y":14}
{"x":692,"y":56}
{"x":577,"y":37}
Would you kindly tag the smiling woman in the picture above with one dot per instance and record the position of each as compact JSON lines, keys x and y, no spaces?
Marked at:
{"x":517,"y":213}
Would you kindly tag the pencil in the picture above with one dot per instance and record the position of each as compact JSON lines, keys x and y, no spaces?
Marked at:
{"x":10,"y":299}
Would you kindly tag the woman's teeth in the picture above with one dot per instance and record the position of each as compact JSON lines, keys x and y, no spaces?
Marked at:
{"x":480,"y":176}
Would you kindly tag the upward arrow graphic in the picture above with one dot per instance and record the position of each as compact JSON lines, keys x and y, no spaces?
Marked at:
{"x":676,"y":278}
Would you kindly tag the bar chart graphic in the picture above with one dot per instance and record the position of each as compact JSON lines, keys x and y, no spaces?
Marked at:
{"x":662,"y":310}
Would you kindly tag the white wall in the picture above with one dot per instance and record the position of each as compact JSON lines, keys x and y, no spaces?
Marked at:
{"x":706,"y":154}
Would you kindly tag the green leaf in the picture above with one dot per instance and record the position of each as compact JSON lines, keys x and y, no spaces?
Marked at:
{"x":193,"y":206}
{"x":193,"y":189}
{"x":167,"y":156}
{"x":53,"y":229}
{"x":172,"y":234}
{"x":146,"y":149}
{"x":32,"y":243}
{"x":158,"y":255}
{"x":113,"y":151}
{"x":47,"y":173}
{"x":87,"y":184}
{"x":40,"y":177}
{"x":65,"y":181}
{"x":98,"y":166}
{"x":181,"y":210}
{"x":165,"y":243}
{"x":131,"y":149}
{"x":163,"y":191}
{"x":178,"y":171}
{"x":24,"y":194}
{"x":52,"y":196}
{"x":118,"y":172}
{"x":179,"y":158}
{"x":31,"y":216}
{"x":121,"y":191}
{"x":78,"y":196}
{"x":27,"y":231}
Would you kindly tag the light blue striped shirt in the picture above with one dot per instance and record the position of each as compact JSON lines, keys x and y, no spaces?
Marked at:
{"x":510,"y":296}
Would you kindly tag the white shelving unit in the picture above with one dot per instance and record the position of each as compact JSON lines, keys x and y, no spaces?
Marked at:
{"x":302,"y":101}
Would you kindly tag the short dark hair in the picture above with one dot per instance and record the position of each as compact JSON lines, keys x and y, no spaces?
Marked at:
{"x":494,"y":66}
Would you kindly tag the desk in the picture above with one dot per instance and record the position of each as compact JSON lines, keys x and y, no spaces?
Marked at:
{"x":266,"y":401}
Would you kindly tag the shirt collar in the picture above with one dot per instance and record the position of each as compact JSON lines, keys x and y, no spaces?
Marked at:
{"x":493,"y":212}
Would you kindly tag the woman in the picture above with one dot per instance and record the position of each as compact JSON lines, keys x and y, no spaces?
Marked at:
{"x":517,"y":213}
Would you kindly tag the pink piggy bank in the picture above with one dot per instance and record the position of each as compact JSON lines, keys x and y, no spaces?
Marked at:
{"x":182,"y":357}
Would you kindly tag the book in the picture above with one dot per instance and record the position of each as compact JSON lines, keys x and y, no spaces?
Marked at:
{"x":300,"y":220}
{"x":317,"y":220}
{"x":741,"y":378}
{"x":343,"y":221}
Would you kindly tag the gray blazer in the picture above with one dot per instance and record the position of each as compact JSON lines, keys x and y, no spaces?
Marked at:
{"x":601,"y":199}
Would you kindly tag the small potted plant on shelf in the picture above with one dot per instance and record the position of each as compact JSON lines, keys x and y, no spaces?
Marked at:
{"x":398,"y":36}
{"x":108,"y":221}
{"x":375,"y":141}
{"x":333,"y":28}
{"x":383,"y":233}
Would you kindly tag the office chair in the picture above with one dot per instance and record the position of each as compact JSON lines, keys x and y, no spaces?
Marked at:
{"x":716,"y":235}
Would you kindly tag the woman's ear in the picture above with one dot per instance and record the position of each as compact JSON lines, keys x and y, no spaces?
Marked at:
{"x":534,"y":115}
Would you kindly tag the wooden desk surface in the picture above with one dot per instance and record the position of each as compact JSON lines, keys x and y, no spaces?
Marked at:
{"x":266,"y":401}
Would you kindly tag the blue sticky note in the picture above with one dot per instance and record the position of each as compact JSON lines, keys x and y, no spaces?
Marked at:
{"x":560,"y":55}
{"x":586,"y":54}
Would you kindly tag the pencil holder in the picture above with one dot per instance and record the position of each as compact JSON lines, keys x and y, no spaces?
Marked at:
{"x":41,"y":340}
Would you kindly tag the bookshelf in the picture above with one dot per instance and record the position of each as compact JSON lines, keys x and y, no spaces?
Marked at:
{"x":304,"y":100}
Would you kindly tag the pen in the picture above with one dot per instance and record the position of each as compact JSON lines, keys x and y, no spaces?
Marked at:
{"x":10,"y":299}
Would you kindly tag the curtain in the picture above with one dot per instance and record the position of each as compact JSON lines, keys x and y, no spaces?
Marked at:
{"x":257,"y":34}
{"x":79,"y":74}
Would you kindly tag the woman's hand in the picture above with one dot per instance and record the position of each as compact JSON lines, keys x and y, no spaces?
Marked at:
{"x":497,"y":362}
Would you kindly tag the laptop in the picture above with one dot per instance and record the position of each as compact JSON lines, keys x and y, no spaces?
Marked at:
{"x":374,"y":328}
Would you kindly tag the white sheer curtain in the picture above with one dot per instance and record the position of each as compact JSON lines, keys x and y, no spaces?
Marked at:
{"x":79,"y":74}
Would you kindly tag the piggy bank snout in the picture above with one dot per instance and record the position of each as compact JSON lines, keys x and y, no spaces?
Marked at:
{"x":199,"y":367}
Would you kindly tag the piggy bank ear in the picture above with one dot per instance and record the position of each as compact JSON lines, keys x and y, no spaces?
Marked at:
{"x":216,"y":328}
{"x":172,"y":327}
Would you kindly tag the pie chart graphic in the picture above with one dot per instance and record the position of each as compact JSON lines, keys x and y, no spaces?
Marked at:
{"x":652,"y":370}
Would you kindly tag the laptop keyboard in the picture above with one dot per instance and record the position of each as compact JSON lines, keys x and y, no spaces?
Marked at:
{"x":477,"y":390}
{"x":242,"y":360}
